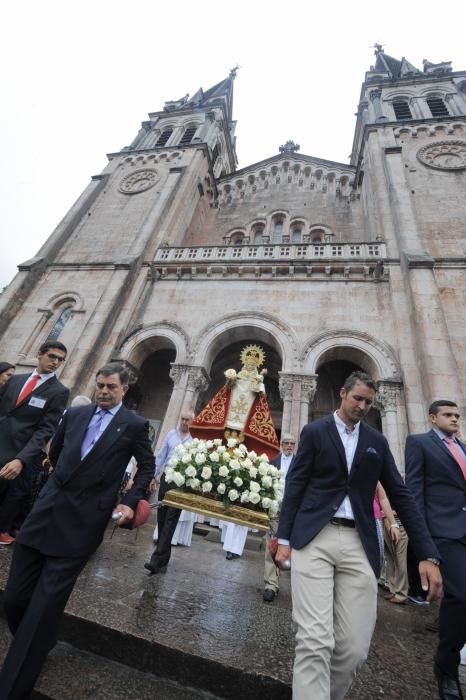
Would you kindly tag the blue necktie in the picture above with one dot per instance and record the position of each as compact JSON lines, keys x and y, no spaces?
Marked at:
{"x":92,"y":433}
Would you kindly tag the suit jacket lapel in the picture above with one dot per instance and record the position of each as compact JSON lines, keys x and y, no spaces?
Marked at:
{"x":440,"y":445}
{"x":333,"y":432}
{"x":110,"y":434}
{"x":360,"y":447}
{"x":38,"y":391}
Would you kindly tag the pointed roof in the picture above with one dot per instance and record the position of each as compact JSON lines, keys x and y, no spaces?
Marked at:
{"x":221,"y":91}
{"x":396,"y":69}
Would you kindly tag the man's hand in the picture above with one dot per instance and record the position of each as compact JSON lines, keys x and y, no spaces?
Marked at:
{"x":431,"y":580}
{"x":283,"y":554}
{"x":395,"y":534}
{"x":127,"y":514}
{"x":11,"y":469}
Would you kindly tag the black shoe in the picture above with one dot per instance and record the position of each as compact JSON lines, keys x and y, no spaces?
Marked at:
{"x":269,"y":595}
{"x":155,"y":569}
{"x":230,"y":555}
{"x":448,"y":688}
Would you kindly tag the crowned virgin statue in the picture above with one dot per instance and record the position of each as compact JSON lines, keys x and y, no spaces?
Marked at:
{"x":240,"y":409}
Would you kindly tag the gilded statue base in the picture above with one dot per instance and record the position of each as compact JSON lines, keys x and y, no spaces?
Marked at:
{"x":213,"y":508}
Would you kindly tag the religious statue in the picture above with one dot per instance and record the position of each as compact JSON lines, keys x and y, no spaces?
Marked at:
{"x":240,"y":409}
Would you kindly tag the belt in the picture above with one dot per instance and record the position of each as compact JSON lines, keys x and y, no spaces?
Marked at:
{"x":343,"y":521}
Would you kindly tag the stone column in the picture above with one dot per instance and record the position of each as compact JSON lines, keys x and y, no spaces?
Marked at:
{"x":375,"y":96}
{"x":198,"y":381}
{"x":388,"y":401}
{"x":285,"y":385}
{"x":308,"y":391}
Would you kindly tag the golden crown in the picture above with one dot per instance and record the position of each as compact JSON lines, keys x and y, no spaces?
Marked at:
{"x":253,"y":353}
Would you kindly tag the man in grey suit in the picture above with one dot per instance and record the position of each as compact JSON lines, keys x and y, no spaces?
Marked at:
{"x":31,"y":406}
{"x":90,"y":452}
{"x":436,"y":476}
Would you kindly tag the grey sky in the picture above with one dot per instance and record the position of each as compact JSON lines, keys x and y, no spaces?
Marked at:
{"x":78,"y":78}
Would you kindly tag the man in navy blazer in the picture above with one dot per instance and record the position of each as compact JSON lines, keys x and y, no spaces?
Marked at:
{"x":31,"y":406}
{"x":436,"y":476}
{"x":327,"y":528}
{"x":90,"y":452}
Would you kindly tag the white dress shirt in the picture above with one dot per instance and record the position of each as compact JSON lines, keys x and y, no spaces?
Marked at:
{"x":349,"y":439}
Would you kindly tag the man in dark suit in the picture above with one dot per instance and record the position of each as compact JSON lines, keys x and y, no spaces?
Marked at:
{"x":282,"y":461}
{"x":436,"y":476}
{"x":327,"y":518}
{"x":30,"y":407}
{"x":90,"y":451}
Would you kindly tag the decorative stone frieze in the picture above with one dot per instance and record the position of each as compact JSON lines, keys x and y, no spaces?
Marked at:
{"x":388,"y":394}
{"x":309,"y":388}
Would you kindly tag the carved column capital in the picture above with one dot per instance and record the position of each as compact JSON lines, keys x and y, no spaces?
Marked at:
{"x":198,"y":379}
{"x":375,"y":94}
{"x":388,"y":393}
{"x":308,"y":387}
{"x":285,"y":386}
{"x":177,"y":372}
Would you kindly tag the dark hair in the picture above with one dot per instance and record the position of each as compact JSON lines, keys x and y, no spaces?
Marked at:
{"x":5,"y":366}
{"x":49,"y":344}
{"x":356,"y":377}
{"x":435,"y":407}
{"x":114,"y":368}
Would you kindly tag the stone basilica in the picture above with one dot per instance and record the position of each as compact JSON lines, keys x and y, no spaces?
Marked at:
{"x":172,"y":260}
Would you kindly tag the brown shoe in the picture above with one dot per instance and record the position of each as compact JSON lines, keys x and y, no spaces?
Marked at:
{"x":397,"y":599}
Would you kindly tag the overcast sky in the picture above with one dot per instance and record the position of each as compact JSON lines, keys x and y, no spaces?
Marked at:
{"x":78,"y":79}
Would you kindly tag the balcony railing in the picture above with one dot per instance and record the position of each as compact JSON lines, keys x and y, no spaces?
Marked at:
{"x":276,"y":252}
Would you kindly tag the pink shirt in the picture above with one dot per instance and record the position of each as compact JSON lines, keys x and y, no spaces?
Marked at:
{"x":377,"y":507}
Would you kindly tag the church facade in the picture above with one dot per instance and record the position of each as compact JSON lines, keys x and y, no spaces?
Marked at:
{"x":172,"y":260}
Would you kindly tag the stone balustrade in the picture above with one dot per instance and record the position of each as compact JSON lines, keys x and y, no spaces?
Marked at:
{"x":276,"y":252}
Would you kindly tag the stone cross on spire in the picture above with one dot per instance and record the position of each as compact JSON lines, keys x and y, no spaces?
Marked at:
{"x":289,"y":147}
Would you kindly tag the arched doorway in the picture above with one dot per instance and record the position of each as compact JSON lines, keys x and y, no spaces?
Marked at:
{"x":229,"y":357}
{"x":331,"y":377}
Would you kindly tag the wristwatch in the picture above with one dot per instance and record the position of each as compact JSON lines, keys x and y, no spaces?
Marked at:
{"x":434,"y":560}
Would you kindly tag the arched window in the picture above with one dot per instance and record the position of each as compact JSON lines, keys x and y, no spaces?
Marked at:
{"x":60,"y":323}
{"x":188,"y":135}
{"x":164,"y":136}
{"x":258,"y":233}
{"x":402,"y":109}
{"x":237,"y":238}
{"x":296,"y":233}
{"x":317,"y":235}
{"x":437,"y":107}
{"x":277,"y":230}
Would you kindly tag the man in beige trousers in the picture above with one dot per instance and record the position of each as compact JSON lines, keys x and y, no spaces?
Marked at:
{"x":327,"y":528}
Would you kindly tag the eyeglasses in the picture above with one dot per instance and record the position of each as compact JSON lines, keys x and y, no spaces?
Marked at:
{"x":52,"y":356}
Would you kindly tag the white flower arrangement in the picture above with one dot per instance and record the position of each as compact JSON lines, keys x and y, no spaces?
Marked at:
{"x":229,"y":473}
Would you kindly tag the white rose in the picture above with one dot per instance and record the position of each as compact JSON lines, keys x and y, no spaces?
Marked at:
{"x":186,"y":459}
{"x":267,"y":481}
{"x":245,"y":497}
{"x":200,"y":458}
{"x":273,"y":471}
{"x":237,"y":453}
{"x":207,"y":486}
{"x":247,"y":463}
{"x":178,"y":478}
{"x":221,"y":488}
{"x":266,"y":503}
{"x":214,"y":457}
{"x":190,"y":471}
{"x":252,"y":454}
{"x":238,"y":481}
{"x":243,"y":448}
{"x":206,"y":473}
{"x":221,"y":449}
{"x":233,"y":495}
{"x":223,"y":471}
{"x":253,"y":472}
{"x":232,"y":442}
{"x":254,"y":497}
{"x":209,"y":444}
{"x":273,"y":512}
{"x":230,"y":374}
{"x":254,"y":487}
{"x":169,"y":475}
{"x":235,"y":465}
{"x":195,"y":483}
{"x":226,"y":457}
{"x":263,"y":457}
{"x":263,"y":469}
{"x":195,"y":442}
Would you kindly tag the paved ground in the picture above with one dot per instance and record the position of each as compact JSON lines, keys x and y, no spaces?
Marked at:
{"x":204,"y":624}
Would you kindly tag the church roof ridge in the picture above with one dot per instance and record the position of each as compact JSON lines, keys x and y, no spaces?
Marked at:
{"x":295,"y":157}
